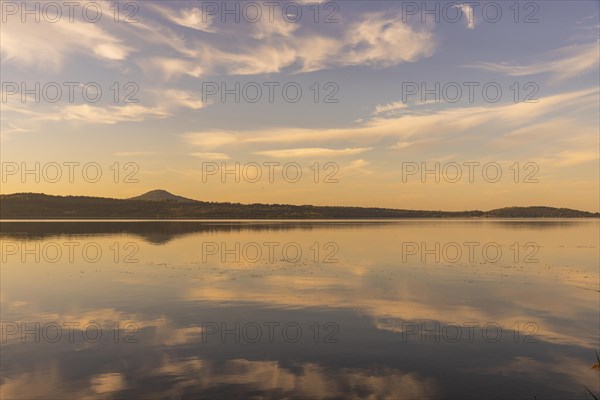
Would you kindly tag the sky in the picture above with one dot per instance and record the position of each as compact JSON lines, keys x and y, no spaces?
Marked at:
{"x":435,"y":105}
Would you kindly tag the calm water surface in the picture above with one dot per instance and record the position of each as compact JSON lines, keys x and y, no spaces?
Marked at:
{"x":404,"y":309}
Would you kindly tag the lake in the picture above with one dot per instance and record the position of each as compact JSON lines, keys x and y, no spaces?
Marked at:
{"x":313,"y":309}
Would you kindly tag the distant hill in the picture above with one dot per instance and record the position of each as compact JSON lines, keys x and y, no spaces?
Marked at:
{"x":160,"y":204}
{"x":162,"y":195}
{"x":538,"y":212}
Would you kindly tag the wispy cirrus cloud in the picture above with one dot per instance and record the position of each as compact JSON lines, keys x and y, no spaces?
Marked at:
{"x":190,"y":17}
{"x":500,"y":122}
{"x":563,"y":63}
{"x":209,"y":140}
{"x":171,"y":99}
{"x":169,"y":68}
{"x":108,"y":114}
{"x":435,"y":123}
{"x":312,"y":152}
{"x":165,"y":104}
{"x":135,"y":153}
{"x":389,"y":107}
{"x":211,"y":156}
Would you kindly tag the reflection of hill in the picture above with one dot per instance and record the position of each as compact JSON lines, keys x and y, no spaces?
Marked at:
{"x":41,"y":206}
{"x":157,"y":232}
{"x":161,"y":232}
{"x":539,"y":224}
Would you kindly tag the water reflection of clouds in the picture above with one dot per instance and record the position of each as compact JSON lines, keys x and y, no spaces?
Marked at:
{"x":306,"y":380}
{"x":49,"y":381}
{"x":408,"y":298}
{"x":167,"y":294}
{"x":195,"y":377}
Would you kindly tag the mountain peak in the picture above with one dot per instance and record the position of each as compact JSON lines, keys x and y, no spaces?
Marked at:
{"x":162,"y":195}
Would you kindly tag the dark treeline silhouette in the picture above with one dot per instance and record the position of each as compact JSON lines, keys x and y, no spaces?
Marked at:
{"x":42,"y":206}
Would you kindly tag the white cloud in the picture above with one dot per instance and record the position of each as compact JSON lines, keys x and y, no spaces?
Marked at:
{"x":385,"y":41}
{"x":467,"y":11}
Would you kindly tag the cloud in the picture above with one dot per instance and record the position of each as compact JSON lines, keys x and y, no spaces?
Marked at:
{"x":110,"y":115}
{"x":211,"y":156}
{"x":438,"y":123}
{"x":401,"y":145}
{"x":373,"y":39}
{"x":48,"y":45}
{"x":167,"y":102}
{"x":358,"y":166}
{"x":192,"y":17}
{"x":265,"y":28}
{"x":311,"y":152}
{"x":108,"y":383}
{"x":93,"y":114}
{"x":173,"y":67}
{"x":467,"y":10}
{"x":304,"y":380}
{"x":172,"y":98}
{"x":157,"y":36}
{"x":7,"y":130}
{"x":209,"y":140}
{"x":11,"y":128}
{"x":135,"y":153}
{"x":569,"y":158}
{"x":394,"y":106}
{"x":497,"y":125}
{"x":262,"y":59}
{"x":157,"y":42}
{"x":383,"y":41}
{"x":562,"y":63}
